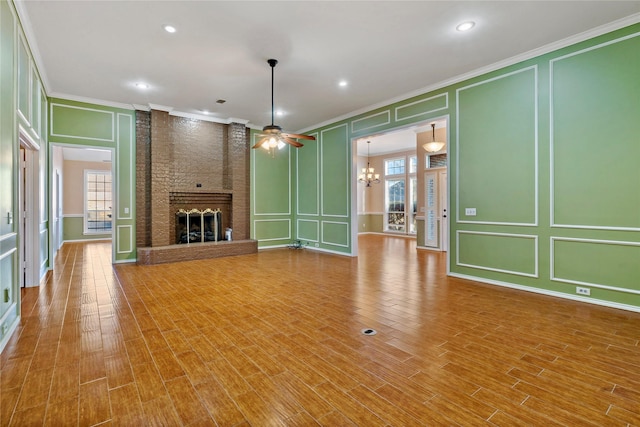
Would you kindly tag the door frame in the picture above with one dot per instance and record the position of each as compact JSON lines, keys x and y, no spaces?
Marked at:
{"x":29,"y":200}
{"x":114,"y":190}
{"x":353,"y":145}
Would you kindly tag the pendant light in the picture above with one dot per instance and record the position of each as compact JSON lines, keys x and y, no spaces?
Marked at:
{"x":433,"y":146}
{"x":368,"y":174}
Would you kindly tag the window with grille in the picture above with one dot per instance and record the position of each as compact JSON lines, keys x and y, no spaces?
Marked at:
{"x":400,"y":201}
{"x":98,"y":202}
{"x":394,"y":167}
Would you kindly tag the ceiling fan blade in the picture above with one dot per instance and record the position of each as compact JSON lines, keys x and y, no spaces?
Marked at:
{"x":262,"y":141}
{"x":291,"y":142}
{"x":298,"y":136}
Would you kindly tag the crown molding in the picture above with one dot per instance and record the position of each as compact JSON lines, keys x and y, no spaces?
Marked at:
{"x":91,"y":100}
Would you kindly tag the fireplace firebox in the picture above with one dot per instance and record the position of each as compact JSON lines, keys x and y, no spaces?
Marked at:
{"x":198,"y":226}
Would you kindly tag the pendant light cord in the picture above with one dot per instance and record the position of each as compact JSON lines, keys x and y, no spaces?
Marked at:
{"x":272,"y":104}
{"x":272,"y":63}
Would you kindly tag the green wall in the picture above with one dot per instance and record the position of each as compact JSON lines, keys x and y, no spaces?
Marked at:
{"x":371,"y":223}
{"x":9,"y":298}
{"x":89,"y":125}
{"x":73,"y":227}
{"x":22,"y":112}
{"x":545,"y":150}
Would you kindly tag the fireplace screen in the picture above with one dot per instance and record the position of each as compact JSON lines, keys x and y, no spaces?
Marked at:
{"x":198,"y":226}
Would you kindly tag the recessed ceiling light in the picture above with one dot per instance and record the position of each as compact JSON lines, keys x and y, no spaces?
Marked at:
{"x":169,"y":28}
{"x":466,"y":26}
{"x":206,"y":112}
{"x":142,"y":85}
{"x":279,"y":113}
{"x":343,"y":83}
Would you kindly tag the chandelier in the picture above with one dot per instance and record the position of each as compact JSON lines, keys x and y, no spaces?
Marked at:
{"x":368,"y":175}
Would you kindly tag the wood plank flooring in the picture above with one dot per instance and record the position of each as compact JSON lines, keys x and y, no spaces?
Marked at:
{"x":275,"y":339}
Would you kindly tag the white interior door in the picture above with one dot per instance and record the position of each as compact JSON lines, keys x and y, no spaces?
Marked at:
{"x":444,"y":215}
{"x":58,"y":211}
{"x":22,"y":183}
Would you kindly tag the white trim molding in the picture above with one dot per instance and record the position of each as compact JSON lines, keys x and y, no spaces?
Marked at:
{"x":480,"y":267}
{"x":553,"y":277}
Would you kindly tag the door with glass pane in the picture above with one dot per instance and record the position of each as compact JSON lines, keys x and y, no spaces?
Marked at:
{"x":431,"y":211}
{"x":98,"y":202}
{"x":413,"y":205}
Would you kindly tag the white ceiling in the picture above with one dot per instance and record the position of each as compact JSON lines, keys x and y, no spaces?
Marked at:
{"x":386,"y":50}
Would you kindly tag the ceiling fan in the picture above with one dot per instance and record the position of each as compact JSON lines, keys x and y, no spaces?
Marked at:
{"x":272,"y":136}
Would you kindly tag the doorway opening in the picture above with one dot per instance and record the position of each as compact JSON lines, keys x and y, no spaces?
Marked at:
{"x":29,"y":211}
{"x":82,"y":195}
{"x":411,"y":197}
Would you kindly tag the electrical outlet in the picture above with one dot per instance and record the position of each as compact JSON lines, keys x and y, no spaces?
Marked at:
{"x":470,"y":211}
{"x":583,"y":291}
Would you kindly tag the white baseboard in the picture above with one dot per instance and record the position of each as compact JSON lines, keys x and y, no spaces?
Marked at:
{"x":547,"y":292}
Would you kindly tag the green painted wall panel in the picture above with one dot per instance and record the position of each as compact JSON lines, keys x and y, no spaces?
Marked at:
{"x":81,"y":122}
{"x":422,"y":108}
{"x":73,"y":229}
{"x":308,"y":184}
{"x":308,"y":230}
{"x":125,"y":239}
{"x":497,"y":149}
{"x":125,"y":170}
{"x":35,"y":102}
{"x":596,"y":136}
{"x":335,"y":172}
{"x":24,"y":81}
{"x":8,"y":294}
{"x":371,"y":121}
{"x":272,"y":182}
{"x":370,"y":223}
{"x":500,"y":252}
{"x":270,"y":230}
{"x":606,"y":263}
{"x":335,"y":233}
{"x":7,"y":117}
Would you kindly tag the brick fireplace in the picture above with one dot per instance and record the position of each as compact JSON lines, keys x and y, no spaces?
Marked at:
{"x":183,"y":163}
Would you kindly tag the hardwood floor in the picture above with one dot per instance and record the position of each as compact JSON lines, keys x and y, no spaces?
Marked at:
{"x":275,"y":339}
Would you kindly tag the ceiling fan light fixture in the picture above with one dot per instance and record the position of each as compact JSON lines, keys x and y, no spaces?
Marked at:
{"x":272,"y":136}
